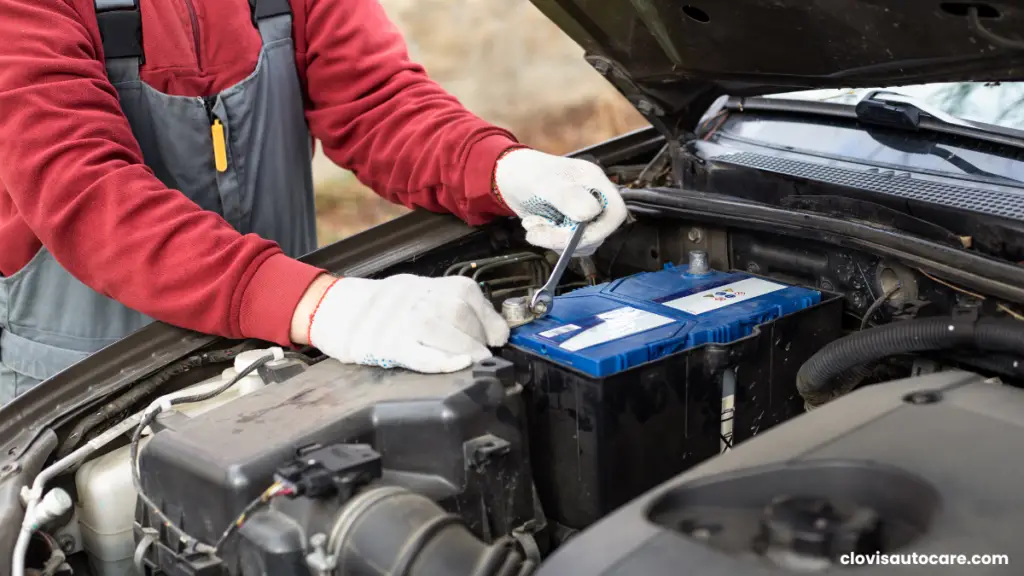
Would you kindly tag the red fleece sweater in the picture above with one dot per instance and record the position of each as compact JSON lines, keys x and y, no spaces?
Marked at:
{"x":72,"y":176}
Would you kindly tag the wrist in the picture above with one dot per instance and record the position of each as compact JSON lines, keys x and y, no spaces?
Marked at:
{"x":495,"y":189}
{"x":305,"y":310}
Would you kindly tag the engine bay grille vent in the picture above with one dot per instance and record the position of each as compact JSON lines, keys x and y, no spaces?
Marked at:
{"x":894,"y":183}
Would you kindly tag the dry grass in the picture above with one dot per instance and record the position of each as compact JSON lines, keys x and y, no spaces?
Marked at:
{"x":345,"y":207}
{"x":567,"y":129}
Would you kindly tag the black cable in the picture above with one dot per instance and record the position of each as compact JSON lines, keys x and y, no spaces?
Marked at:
{"x":877,"y":305}
{"x":144,"y":388}
{"x":133,"y":455}
{"x":220,"y":389}
{"x":996,"y":40}
{"x":190,"y":542}
{"x":257,"y":503}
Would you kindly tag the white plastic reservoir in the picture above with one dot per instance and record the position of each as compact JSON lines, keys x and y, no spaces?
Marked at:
{"x":106,"y":497}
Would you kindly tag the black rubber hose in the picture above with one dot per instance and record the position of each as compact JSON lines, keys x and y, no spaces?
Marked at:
{"x":819,"y":379}
{"x":391,"y":529}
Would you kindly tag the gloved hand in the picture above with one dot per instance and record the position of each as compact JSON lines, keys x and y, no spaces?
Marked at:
{"x":551,"y":194}
{"x":423,"y":324}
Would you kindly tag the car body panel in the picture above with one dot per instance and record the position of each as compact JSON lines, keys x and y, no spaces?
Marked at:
{"x":671,"y":59}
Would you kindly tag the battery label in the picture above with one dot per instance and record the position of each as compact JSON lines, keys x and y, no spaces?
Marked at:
{"x":723,"y":296}
{"x":615,"y":324}
{"x":559,"y":331}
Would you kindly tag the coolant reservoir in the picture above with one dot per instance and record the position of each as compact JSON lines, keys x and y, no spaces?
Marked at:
{"x":106,"y":497}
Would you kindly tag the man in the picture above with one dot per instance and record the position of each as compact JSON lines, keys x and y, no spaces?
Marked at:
{"x":155,"y":163}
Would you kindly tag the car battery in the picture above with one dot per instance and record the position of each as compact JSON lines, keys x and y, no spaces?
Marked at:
{"x":624,"y":379}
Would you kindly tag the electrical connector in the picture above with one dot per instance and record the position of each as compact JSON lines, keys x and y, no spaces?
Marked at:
{"x":324,"y":472}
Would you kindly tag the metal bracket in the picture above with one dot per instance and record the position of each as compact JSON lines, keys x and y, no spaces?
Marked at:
{"x":482,"y":449}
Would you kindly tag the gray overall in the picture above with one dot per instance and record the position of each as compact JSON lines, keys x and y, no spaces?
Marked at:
{"x":48,"y":319}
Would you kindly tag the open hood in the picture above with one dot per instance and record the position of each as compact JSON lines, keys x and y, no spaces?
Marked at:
{"x":672,"y":58}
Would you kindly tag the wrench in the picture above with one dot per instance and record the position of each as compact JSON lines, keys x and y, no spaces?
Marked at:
{"x":542,"y":299}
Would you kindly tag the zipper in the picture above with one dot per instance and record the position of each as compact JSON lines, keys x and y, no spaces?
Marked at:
{"x":195,"y":31}
{"x":208,"y":102}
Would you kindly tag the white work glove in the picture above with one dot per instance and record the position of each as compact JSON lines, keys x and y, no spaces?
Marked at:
{"x":552,"y":194}
{"x":423,"y":324}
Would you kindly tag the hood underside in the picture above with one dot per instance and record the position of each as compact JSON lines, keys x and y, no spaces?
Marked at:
{"x":673,"y":51}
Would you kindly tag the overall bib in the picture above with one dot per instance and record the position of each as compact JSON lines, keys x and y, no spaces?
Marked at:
{"x":48,"y":319}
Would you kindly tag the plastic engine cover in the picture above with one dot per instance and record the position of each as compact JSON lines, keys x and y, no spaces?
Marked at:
{"x":431,"y":431}
{"x":612,"y":327}
{"x":915,"y":476}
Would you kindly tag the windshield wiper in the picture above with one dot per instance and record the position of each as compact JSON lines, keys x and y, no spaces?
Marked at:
{"x":895,"y":110}
{"x":925,"y":147}
{"x":888,"y":109}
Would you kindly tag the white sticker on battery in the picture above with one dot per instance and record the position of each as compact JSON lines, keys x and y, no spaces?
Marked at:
{"x":616,"y":324}
{"x":723,"y":296}
{"x":559,"y":331}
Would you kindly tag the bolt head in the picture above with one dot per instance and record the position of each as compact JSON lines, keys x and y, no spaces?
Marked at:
{"x":695,"y":235}
{"x":67,"y":543}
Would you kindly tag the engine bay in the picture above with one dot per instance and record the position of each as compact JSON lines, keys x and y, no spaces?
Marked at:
{"x":683,"y":350}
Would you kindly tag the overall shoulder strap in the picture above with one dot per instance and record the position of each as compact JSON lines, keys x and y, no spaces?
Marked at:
{"x":262,"y":9}
{"x":120,"y":23}
{"x":273,"y":18}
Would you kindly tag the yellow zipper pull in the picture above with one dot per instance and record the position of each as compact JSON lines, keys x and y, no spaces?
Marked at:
{"x":220,"y":149}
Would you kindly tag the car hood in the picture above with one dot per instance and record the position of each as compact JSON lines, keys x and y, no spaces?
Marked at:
{"x":672,"y":58}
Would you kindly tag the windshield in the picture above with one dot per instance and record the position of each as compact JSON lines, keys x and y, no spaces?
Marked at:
{"x":999,"y":103}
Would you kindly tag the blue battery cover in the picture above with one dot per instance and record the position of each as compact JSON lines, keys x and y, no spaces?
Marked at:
{"x":604,"y":329}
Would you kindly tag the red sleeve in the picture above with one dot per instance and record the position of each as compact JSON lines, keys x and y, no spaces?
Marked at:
{"x":75,"y":173}
{"x":380,"y":116}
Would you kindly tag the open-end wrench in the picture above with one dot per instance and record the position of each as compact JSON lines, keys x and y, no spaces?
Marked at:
{"x":540,"y":304}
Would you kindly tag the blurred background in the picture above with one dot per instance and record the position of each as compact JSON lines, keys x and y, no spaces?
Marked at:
{"x":506,"y":63}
